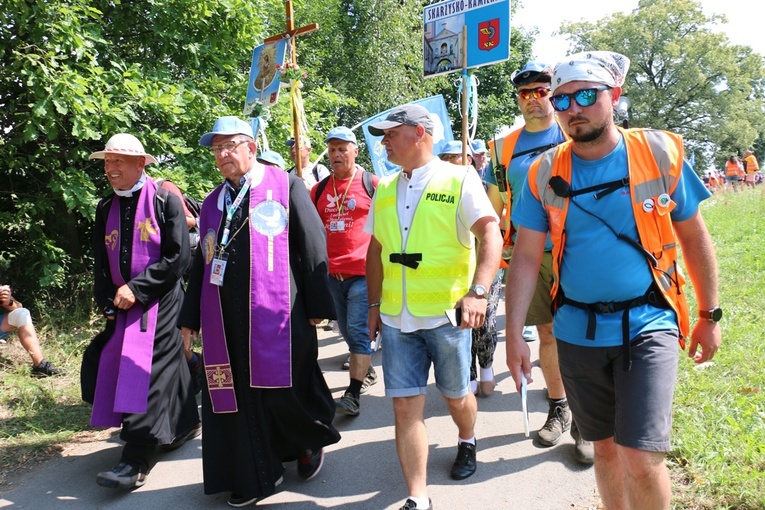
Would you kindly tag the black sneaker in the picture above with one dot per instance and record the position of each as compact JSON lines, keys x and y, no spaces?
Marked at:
{"x":46,"y":369}
{"x":369,"y":380}
{"x":464,"y":465}
{"x":348,"y":404}
{"x":310,"y":465}
{"x":238,"y":501}
{"x":121,"y":476}
{"x":558,"y":422}
{"x":410,"y":505}
{"x":180,"y":441}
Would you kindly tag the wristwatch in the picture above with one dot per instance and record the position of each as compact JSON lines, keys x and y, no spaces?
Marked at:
{"x":712,"y":315}
{"x":479,"y":290}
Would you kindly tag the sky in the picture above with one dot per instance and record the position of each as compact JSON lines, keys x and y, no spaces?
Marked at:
{"x":743,"y":25}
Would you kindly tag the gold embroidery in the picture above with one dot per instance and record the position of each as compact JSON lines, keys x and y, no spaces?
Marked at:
{"x":220,"y":376}
{"x":111,"y":240}
{"x":146,"y":228}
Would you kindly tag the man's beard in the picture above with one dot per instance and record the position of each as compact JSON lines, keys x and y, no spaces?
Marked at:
{"x":589,"y":135}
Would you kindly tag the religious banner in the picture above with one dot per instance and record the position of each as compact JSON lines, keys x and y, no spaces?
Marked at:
{"x":488,"y":34}
{"x":442,"y":133}
{"x":263,"y":85}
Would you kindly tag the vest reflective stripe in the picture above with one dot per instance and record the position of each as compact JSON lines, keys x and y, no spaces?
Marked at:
{"x":655,"y":163}
{"x":446,"y":270}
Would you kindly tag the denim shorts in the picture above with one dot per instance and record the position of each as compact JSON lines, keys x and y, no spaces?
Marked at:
{"x":350,"y":298}
{"x":634,"y":407}
{"x":4,"y":335}
{"x":407,"y":358}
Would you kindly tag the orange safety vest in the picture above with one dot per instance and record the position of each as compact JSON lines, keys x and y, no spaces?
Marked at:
{"x":508,"y":147}
{"x":751,"y":164}
{"x":655,"y":164}
{"x":731,"y":168}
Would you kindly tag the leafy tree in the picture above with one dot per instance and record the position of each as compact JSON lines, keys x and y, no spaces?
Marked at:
{"x":684,"y":77}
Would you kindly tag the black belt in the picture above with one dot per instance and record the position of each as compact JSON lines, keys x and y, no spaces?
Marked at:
{"x":652,"y":296}
{"x":408,"y":259}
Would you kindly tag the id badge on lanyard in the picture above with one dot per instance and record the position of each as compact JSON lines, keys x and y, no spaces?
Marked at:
{"x":218,"y":268}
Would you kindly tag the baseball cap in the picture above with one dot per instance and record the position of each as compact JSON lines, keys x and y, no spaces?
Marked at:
{"x":341,"y":133}
{"x":123,"y":143}
{"x":455,"y":147}
{"x":304,"y":141}
{"x":229,"y":125}
{"x":532,"y":72}
{"x":409,"y":114}
{"x":272,"y":158}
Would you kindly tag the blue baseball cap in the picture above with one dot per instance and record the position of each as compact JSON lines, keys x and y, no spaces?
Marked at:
{"x":532,"y":72}
{"x":341,"y":133}
{"x":455,"y":147}
{"x":272,"y":158}
{"x":229,"y":125}
{"x":478,"y":146}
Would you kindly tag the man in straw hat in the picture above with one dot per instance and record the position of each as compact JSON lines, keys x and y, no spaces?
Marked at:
{"x":616,"y":203}
{"x":258,"y":287}
{"x":135,"y":373}
{"x":422,"y":263}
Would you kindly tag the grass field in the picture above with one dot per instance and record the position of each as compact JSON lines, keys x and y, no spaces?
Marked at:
{"x":718,"y":456}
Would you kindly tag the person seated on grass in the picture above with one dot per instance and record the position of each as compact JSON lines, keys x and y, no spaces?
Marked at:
{"x":14,"y":317}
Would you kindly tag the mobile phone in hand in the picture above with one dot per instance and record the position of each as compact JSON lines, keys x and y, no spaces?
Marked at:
{"x":455,"y":316}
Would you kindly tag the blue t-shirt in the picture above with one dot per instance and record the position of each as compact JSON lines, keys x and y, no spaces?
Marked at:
{"x":519,"y":167}
{"x":598,"y":267}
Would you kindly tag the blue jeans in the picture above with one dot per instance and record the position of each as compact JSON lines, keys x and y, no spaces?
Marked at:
{"x":350,"y":298}
{"x":407,"y":357}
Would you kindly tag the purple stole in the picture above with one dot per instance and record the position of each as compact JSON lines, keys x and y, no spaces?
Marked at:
{"x":124,"y":369}
{"x":269,"y":307}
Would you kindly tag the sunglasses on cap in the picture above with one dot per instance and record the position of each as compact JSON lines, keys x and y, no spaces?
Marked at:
{"x":584,"y":97}
{"x":537,"y":93}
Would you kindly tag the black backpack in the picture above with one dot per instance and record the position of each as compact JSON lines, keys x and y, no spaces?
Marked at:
{"x":366,"y":179}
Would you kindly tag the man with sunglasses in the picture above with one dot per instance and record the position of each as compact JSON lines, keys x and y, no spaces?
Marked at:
{"x":616,"y":204}
{"x":515,"y":153}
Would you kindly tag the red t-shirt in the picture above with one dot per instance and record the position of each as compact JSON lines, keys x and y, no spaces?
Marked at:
{"x":344,"y":215}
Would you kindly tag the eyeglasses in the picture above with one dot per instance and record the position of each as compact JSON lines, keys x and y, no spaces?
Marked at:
{"x":584,"y":98}
{"x":536,"y":93}
{"x":228,"y":147}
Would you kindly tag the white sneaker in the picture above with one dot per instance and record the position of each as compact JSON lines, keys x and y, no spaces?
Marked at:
{"x":530,"y":333}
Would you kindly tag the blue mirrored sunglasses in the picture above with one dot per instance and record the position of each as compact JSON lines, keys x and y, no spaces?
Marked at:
{"x":584,"y":97}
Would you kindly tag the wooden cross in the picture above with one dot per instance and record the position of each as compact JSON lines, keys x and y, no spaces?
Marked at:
{"x":292,"y":33}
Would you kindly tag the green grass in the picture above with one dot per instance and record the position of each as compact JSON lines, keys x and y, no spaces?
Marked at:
{"x":718,"y":456}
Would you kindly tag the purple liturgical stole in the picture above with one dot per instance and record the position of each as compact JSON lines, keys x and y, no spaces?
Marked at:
{"x":124,"y":369}
{"x":269,"y":305}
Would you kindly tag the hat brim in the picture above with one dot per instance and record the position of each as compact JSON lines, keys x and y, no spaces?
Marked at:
{"x":379,"y":128}
{"x":148,"y":158}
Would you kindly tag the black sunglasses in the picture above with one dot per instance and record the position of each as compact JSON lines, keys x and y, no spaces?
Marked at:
{"x":584,"y":97}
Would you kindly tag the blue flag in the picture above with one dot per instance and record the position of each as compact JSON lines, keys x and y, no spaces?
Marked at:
{"x":442,"y":133}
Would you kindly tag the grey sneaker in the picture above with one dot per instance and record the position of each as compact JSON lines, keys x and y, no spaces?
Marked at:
{"x":348,"y":404}
{"x":121,"y":476}
{"x":369,"y":380}
{"x":558,"y":422}
{"x":584,"y":452}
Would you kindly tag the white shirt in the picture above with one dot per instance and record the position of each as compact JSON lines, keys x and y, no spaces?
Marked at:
{"x":474,"y":204}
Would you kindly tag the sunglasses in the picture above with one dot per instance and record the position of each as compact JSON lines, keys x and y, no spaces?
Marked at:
{"x":537,"y":93}
{"x":584,"y":97}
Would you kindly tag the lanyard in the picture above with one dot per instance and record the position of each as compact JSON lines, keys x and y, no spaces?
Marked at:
{"x":233,"y":207}
{"x":340,"y":203}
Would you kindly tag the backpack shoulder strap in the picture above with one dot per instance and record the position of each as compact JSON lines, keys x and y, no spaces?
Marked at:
{"x":159,"y":203}
{"x":369,"y":185}
{"x":319,"y":188}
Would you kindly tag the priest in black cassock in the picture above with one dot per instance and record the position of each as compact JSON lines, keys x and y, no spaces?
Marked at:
{"x":135,"y":372}
{"x":258,"y":287}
